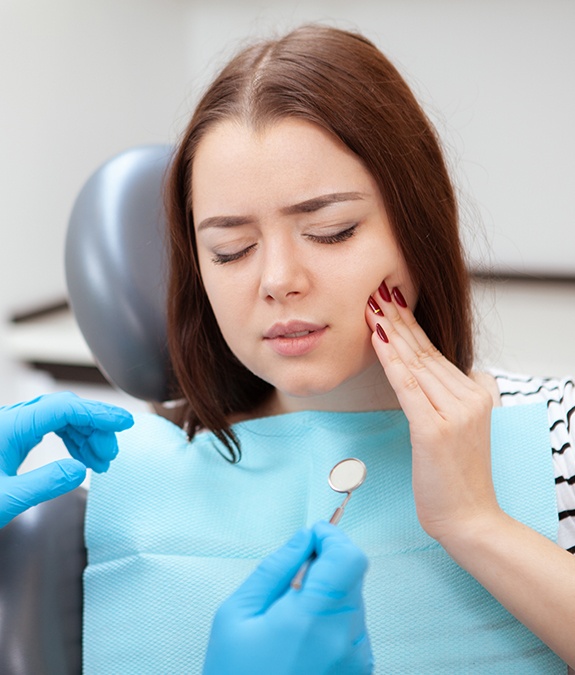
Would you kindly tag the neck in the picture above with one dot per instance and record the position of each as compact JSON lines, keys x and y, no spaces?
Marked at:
{"x":366,"y":392}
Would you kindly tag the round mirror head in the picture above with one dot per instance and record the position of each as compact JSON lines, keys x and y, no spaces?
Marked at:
{"x":347,"y":475}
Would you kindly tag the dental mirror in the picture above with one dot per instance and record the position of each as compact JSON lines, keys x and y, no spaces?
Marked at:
{"x":346,"y":476}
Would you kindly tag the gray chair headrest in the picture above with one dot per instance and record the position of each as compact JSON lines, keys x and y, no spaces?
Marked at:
{"x":116,"y":270}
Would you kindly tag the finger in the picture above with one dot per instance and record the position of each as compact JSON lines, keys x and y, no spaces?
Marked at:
{"x":334,"y":583}
{"x":419,"y":355}
{"x":450,"y":391}
{"x":94,"y":448}
{"x":39,"y":485}
{"x":271,"y":579}
{"x":86,"y":427}
{"x":336,"y":576}
{"x":389,"y":307}
{"x":403,"y":322}
{"x":395,"y":308}
{"x":399,"y":326}
{"x":53,"y":412}
{"x":414,"y":402}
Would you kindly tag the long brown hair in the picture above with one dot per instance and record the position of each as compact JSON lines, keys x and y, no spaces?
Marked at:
{"x":342,"y":82}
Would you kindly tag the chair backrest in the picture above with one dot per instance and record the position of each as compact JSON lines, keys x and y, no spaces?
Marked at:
{"x":42,"y":559}
{"x":116,"y":271}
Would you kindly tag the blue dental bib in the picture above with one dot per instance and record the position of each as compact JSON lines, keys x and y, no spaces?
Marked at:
{"x":172,"y":529}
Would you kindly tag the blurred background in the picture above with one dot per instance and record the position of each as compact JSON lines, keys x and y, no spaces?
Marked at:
{"x":82,"y":80}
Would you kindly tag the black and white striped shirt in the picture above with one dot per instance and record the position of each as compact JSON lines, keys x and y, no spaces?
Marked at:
{"x":559,"y":394}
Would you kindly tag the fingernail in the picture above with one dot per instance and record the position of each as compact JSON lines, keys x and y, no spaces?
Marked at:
{"x":381,"y":333}
{"x":374,"y":306}
{"x":384,"y":292}
{"x":399,"y":297}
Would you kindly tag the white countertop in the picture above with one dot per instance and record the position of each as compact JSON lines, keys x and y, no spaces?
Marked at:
{"x":51,"y":338}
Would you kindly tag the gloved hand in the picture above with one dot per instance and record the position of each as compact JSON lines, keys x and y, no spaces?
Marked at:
{"x":268,"y":627}
{"x":87,"y":429}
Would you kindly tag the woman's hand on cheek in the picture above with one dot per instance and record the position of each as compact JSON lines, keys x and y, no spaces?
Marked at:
{"x":449,"y":419}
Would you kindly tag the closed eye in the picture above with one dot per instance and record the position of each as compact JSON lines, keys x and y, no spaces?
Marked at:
{"x":344,"y":235}
{"x":223,"y":258}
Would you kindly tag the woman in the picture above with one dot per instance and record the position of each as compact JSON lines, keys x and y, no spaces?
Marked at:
{"x":319,"y":307}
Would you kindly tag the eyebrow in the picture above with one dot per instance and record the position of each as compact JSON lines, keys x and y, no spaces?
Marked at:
{"x":317,"y":203}
{"x":307,"y":206}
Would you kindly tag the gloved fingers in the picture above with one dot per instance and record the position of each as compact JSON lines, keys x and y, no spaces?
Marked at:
{"x":94,"y":448}
{"x":271,"y":579}
{"x":360,"y":658}
{"x":335,"y":578}
{"x":54,"y":412}
{"x":20,"y":492}
{"x":358,"y":629}
{"x":86,"y":427}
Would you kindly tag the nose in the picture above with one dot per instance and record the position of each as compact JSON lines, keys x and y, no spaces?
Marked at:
{"x":284,"y":274}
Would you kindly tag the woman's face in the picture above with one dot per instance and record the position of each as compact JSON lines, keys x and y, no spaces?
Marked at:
{"x":292,"y":239}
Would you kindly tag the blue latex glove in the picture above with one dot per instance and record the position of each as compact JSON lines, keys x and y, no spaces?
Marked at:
{"x":87,"y":429}
{"x":268,"y":627}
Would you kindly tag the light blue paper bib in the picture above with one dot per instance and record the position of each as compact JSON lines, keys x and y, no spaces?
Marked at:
{"x":172,"y":529}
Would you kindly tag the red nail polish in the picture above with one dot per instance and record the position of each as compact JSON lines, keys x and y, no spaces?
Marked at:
{"x":381,"y":333}
{"x":399,"y":297}
{"x":384,"y":292}
{"x":374,"y":306}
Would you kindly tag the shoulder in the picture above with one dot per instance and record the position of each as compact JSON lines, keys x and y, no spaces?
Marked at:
{"x":557,"y":393}
{"x":150,"y":428}
{"x":150,"y":442}
{"x":559,"y":396}
{"x":517,"y":389}
{"x":152,"y":457}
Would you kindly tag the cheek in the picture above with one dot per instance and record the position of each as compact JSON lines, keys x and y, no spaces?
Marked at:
{"x":226,"y":310}
{"x":390,"y":267}
{"x":366,"y":279}
{"x":224,"y":303}
{"x":230,"y":320}
{"x":408,"y":288}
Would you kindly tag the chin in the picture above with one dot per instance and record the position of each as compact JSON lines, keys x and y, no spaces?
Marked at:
{"x":314,"y":379}
{"x":307,"y":387}
{"x":305,"y":393}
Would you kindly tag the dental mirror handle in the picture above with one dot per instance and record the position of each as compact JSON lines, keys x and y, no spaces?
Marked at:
{"x":297,"y":581}
{"x":338,"y":513}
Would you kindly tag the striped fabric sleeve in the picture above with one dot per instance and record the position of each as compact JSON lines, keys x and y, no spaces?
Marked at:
{"x":559,"y":394}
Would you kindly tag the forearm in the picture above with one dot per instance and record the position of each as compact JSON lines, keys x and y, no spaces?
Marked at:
{"x":532,"y":577}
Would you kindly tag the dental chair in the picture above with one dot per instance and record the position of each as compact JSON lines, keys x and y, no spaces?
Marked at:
{"x":115,"y":271}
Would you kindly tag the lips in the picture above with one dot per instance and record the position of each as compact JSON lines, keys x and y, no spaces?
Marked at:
{"x":295,"y":338}
{"x":292,"y":329}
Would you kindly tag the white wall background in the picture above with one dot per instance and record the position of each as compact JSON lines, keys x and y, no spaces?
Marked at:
{"x":80,"y":80}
